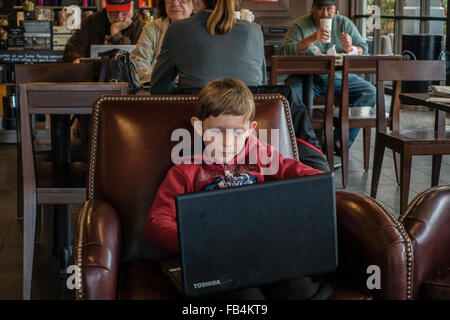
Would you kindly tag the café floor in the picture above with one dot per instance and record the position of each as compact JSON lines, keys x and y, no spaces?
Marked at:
{"x":48,"y":285}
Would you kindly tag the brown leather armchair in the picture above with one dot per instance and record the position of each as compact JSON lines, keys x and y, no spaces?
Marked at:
{"x":130,"y":148}
{"x":427,"y":222}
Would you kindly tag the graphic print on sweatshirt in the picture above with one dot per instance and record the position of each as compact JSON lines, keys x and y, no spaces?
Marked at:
{"x":232,"y":180}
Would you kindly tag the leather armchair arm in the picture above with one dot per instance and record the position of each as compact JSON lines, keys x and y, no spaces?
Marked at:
{"x":368,"y":235}
{"x":427,"y":221}
{"x":96,"y":251}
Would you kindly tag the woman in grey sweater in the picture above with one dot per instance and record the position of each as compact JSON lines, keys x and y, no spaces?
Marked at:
{"x":210,"y":46}
{"x":149,"y":45}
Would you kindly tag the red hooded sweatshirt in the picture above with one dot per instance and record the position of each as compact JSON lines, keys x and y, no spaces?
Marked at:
{"x":248,"y":167}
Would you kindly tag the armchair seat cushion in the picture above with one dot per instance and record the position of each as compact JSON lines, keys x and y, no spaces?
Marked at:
{"x":143,"y":280}
{"x":437,"y":288}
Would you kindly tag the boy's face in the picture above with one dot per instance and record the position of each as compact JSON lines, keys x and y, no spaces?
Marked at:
{"x":224,"y":136}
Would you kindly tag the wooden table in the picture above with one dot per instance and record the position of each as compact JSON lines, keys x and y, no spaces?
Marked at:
{"x":420,"y":99}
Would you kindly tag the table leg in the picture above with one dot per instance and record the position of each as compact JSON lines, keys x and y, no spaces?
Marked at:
{"x":60,"y":139}
{"x":308,"y":93}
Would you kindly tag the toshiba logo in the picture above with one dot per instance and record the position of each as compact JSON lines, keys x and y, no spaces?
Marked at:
{"x":207,"y":284}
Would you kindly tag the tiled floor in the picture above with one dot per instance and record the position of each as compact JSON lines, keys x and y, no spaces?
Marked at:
{"x":48,"y":285}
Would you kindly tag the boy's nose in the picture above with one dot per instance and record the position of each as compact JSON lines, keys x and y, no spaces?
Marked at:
{"x":228,"y":140}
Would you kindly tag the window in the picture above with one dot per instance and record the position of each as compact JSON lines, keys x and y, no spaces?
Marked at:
{"x":398,"y":17}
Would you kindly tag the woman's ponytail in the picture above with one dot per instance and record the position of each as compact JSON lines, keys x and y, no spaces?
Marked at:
{"x":222,"y":19}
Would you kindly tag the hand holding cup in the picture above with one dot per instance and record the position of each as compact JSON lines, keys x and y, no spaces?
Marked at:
{"x":326,"y":24}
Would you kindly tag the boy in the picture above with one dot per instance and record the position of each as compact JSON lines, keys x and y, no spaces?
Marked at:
{"x":232,"y":156}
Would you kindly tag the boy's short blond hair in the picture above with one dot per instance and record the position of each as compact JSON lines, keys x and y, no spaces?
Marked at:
{"x":226,"y":96}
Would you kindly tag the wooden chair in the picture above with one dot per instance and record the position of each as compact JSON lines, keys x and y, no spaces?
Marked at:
{"x":307,"y":65}
{"x":46,"y":182}
{"x":413,"y":142}
{"x":96,"y":66}
{"x":44,"y":72}
{"x":346,"y":118}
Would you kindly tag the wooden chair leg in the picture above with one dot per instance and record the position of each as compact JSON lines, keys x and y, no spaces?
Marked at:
{"x":366,"y":139}
{"x":376,"y":171}
{"x":405,"y":180}
{"x":344,"y":154}
{"x":436,"y":169}
{"x":19,"y":183}
{"x":29,"y":229}
{"x":329,"y":146}
{"x":38,"y":223}
{"x":397,"y":166}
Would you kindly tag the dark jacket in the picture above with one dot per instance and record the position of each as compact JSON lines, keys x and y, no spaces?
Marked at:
{"x":93,"y":31}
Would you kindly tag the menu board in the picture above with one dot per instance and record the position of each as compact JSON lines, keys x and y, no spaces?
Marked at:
{"x":31,"y":56}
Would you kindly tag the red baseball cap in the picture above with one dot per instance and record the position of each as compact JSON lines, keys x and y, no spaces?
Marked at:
{"x":118,"y":5}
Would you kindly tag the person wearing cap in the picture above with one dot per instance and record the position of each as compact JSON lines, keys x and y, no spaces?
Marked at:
{"x":149,"y":45}
{"x":117,"y":23}
{"x":305,"y":37}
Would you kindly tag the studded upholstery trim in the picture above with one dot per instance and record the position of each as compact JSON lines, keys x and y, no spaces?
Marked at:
{"x":414,"y":201}
{"x":406,"y":240}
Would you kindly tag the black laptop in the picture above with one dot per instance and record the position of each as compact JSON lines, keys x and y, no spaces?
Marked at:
{"x":253,"y":235}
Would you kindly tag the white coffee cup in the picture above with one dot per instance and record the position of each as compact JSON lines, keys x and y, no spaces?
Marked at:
{"x":327,"y":25}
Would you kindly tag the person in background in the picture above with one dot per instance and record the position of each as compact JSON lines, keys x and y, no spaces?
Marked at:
{"x":149,"y":44}
{"x":305,"y":37}
{"x":208,"y":46}
{"x":117,"y":23}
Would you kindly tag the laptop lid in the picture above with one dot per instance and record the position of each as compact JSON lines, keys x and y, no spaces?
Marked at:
{"x":252,"y":235}
{"x":96,"y":49}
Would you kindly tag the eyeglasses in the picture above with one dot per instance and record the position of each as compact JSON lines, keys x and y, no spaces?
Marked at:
{"x":180,"y":1}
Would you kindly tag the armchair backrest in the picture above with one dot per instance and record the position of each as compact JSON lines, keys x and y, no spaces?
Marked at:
{"x":130,"y":154}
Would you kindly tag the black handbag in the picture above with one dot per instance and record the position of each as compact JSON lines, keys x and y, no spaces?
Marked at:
{"x":117,"y":67}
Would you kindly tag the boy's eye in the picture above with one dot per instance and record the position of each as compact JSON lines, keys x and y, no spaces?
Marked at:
{"x":239,"y":132}
{"x":215,"y":131}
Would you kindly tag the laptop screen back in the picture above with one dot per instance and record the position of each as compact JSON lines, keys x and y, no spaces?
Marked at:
{"x":253,"y":235}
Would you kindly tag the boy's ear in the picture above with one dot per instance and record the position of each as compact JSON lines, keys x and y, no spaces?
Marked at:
{"x":197,"y":124}
{"x":253,"y":125}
